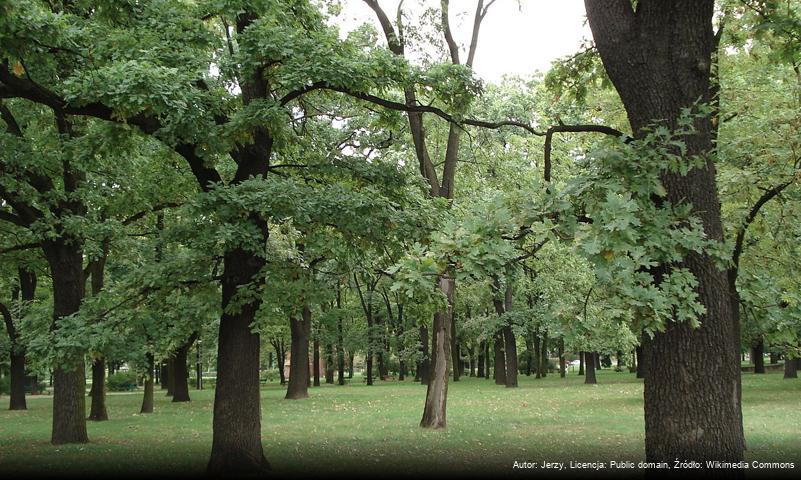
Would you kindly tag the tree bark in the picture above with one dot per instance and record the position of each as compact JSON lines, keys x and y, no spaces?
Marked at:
{"x":236,"y":445}
{"x":659,"y":60}
{"x":544,"y":355}
{"x":435,"y":410}
{"x":455,"y":350}
{"x":562,"y":369}
{"x":424,"y":367}
{"x":581,"y":363}
{"x":329,"y":363}
{"x":481,"y":348}
{"x":500,"y":360}
{"x":97,"y":412}
{"x":164,"y":376}
{"x":316,"y":361}
{"x":790,"y":368}
{"x":640,"y":360}
{"x":147,"y":398}
{"x":758,"y":356}
{"x":69,"y":385}
{"x":531,"y":354}
{"x":181,"y":371}
{"x":589,"y":369}
{"x":510,"y":351}
{"x":299,"y":355}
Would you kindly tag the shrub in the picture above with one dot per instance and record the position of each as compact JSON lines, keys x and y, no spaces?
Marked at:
{"x":121,"y":382}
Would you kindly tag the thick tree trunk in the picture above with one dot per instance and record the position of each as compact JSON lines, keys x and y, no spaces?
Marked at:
{"x":581,"y":363}
{"x":147,"y":398}
{"x":236,"y":446}
{"x":163,"y":376}
{"x":424,"y":370}
{"x":500,"y":360}
{"x":659,"y":60}
{"x":299,"y":355}
{"x":481,"y":348}
{"x":640,"y":360}
{"x":455,"y":361}
{"x":181,"y":371}
{"x":17,"y":374}
{"x":97,"y":411}
{"x":510,"y":350}
{"x":69,"y":384}
{"x":435,"y":410}
{"x":758,"y":356}
{"x":589,"y":369}
{"x":790,"y":368}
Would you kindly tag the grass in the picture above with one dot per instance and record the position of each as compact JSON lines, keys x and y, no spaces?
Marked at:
{"x":374,"y":429}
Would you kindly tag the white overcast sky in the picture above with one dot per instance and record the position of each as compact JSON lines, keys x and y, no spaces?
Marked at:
{"x":517,"y":37}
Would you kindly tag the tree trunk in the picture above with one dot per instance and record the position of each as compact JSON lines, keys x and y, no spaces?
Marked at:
{"x":147,"y":398}
{"x":581,"y":363}
{"x":774,"y":359}
{"x":633,"y":362}
{"x":544,"y":355}
{"x":236,"y":446}
{"x":340,"y":354}
{"x":562,"y":369}
{"x":481,"y":348}
{"x":487,"y":359}
{"x":69,"y":383}
{"x":97,"y":411}
{"x":455,"y":361}
{"x":589,"y":372}
{"x":659,"y":60}
{"x":299,"y":355}
{"x":597,"y":357}
{"x":510,"y":350}
{"x":640,"y":360}
{"x":790,"y":368}
{"x":181,"y":371}
{"x":435,"y":410}
{"x":329,"y":363}
{"x":758,"y":356}
{"x":350,"y":365}
{"x":164,"y":376}
{"x":401,"y":361}
{"x":17,"y":400}
{"x":316,"y":361}
{"x":500,"y":360}
{"x":425,"y":363}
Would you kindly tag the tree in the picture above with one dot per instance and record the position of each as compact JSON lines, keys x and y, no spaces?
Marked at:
{"x":671,"y":45}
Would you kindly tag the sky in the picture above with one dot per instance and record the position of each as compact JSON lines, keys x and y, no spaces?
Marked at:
{"x":517,"y":37}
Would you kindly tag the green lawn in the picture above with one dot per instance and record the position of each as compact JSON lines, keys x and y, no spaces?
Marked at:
{"x":356,"y":427}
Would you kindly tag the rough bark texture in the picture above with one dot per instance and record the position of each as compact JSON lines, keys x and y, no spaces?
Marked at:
{"x":510,"y":351}
{"x":69,"y":384}
{"x":299,"y":356}
{"x":424,"y":367}
{"x":581,"y":363}
{"x":97,"y":412}
{"x":147,"y":398}
{"x":589,"y":368}
{"x":181,"y":378}
{"x":659,"y":58}
{"x":236,"y":445}
{"x":434,"y":412}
